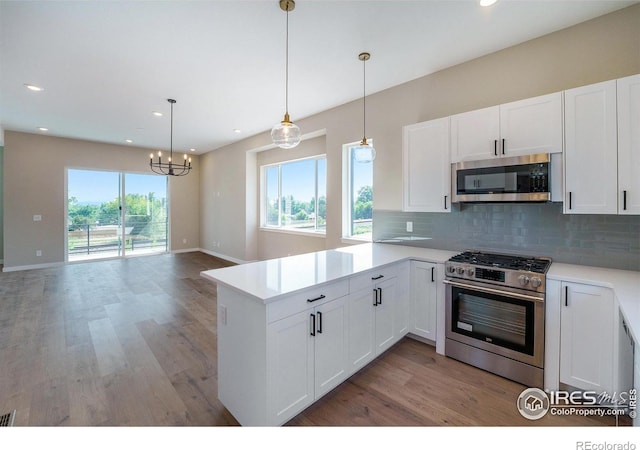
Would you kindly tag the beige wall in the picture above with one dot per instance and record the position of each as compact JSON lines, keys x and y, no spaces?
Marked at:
{"x":34,"y":183}
{"x":604,"y":48}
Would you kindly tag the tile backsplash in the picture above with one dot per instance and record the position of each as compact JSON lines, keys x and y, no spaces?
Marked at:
{"x":539,"y":229}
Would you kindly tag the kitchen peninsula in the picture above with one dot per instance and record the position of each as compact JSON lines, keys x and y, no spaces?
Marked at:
{"x":291,"y":329}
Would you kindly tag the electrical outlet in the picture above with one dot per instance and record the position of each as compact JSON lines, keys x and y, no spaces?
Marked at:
{"x":184,"y":240}
{"x":37,"y":217}
{"x":38,"y":252}
{"x":409,"y":227}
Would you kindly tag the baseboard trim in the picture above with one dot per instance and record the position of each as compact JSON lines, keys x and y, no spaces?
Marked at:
{"x":32,"y":266}
{"x":186,"y":250}
{"x":223,"y":256}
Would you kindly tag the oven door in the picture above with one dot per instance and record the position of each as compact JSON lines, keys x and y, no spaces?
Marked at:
{"x":507,"y":322}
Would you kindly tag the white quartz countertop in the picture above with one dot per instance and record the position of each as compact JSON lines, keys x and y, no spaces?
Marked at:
{"x":267,"y":280}
{"x":624,"y":283}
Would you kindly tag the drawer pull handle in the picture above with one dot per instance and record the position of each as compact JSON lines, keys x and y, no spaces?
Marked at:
{"x":378,"y":277}
{"x":311,"y":300}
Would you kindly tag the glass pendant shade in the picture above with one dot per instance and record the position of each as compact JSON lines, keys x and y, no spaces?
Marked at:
{"x":364,"y":153}
{"x":285,"y":134}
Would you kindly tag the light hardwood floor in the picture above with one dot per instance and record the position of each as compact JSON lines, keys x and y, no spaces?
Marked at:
{"x":133,"y":343}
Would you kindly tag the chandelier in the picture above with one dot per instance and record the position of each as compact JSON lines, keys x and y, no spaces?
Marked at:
{"x":286,"y":134}
{"x":364,"y":153}
{"x":170,"y":167}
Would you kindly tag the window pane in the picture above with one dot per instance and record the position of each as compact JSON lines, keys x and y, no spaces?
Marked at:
{"x":361,"y":198}
{"x":272,"y":196}
{"x":322,"y":195}
{"x":298,"y":194}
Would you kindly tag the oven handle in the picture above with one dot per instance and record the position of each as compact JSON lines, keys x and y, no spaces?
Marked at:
{"x":495,"y":291}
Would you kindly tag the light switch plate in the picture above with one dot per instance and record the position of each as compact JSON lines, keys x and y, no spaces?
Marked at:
{"x":37,"y":217}
{"x":409,"y":227}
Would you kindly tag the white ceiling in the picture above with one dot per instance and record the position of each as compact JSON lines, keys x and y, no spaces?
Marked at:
{"x":107,"y":65}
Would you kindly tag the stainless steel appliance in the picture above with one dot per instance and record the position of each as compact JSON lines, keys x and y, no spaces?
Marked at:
{"x":509,"y":179}
{"x":495,"y":313}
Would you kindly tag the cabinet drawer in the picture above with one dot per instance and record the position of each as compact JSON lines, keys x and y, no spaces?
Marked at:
{"x":369,"y":278}
{"x":299,"y":301}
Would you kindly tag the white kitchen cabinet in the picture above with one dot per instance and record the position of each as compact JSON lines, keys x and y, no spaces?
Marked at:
{"x":591,"y":166}
{"x":587,"y":319}
{"x":426,"y":166}
{"x":424,"y":295}
{"x":475,"y":134}
{"x":378,"y":311}
{"x":308,"y":356}
{"x":628,"y":109}
{"x":523,"y":127}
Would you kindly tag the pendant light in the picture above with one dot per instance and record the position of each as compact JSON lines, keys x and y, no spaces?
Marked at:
{"x":170,"y":167}
{"x":286,"y":134}
{"x":364,"y":153}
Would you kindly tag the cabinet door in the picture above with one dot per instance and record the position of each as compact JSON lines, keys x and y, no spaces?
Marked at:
{"x":423,"y":299}
{"x":385,"y":328}
{"x":426,"y":166}
{"x":591,"y":165}
{"x":290,"y":372}
{"x":361,"y":332}
{"x":474,"y":134}
{"x":531,"y":126}
{"x":628,"y":90}
{"x":586,"y":337}
{"x":331,"y":345}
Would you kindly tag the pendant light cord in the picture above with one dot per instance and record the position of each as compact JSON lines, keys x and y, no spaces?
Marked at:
{"x":364,"y":100}
{"x":286,"y":77}
{"x":171,"y":137}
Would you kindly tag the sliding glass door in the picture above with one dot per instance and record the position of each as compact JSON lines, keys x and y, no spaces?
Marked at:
{"x":100,"y":202}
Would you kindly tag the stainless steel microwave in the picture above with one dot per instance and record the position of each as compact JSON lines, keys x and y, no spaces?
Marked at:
{"x":509,"y":179}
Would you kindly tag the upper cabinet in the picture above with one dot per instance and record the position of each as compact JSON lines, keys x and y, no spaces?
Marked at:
{"x":602,"y":148}
{"x":524,"y":127}
{"x":426,"y":166}
{"x":628,"y":97}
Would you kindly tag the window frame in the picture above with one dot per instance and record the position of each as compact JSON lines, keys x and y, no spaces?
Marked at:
{"x":282,"y":228}
{"x":347,"y":196}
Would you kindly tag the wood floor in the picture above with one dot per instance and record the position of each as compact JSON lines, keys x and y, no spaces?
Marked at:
{"x":133,"y":343}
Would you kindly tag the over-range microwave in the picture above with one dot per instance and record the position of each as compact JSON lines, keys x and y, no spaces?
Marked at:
{"x":509,"y":179}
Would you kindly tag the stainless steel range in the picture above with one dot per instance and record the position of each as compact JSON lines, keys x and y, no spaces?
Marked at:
{"x":495,"y":313}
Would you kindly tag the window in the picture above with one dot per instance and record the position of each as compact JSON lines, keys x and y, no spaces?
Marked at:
{"x":357,"y":201}
{"x":294,"y":195}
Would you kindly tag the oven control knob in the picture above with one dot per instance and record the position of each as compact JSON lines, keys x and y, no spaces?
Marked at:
{"x":451,"y":269}
{"x":523,"y":280}
{"x":460,"y":270}
{"x":470,"y":271}
{"x":536,"y":282}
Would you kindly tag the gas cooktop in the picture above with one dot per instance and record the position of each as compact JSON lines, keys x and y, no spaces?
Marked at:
{"x":503,"y":261}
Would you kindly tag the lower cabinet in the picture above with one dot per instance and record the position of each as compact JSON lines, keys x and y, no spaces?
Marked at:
{"x":308,"y":356}
{"x":277,"y":358}
{"x":378,"y":313}
{"x":424,"y":294}
{"x":587,"y":321}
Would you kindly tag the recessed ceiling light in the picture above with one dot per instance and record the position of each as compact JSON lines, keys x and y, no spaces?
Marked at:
{"x":157,"y":113}
{"x":487,"y":2}
{"x":128,"y":141}
{"x":193,"y":149}
{"x":43,"y":129}
{"x":237,"y":130}
{"x":33,"y":87}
